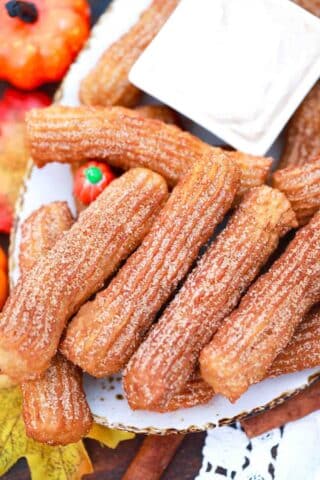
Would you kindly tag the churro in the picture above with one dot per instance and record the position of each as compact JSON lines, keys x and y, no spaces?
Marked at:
{"x":105,"y":333}
{"x":158,"y":112}
{"x":108,"y":82}
{"x":245,"y":346}
{"x":55,"y":409}
{"x":125,"y":140}
{"x":195,"y":392}
{"x":303,"y":350}
{"x":76,"y":267}
{"x":303,"y":132}
{"x":301,"y":185}
{"x":167,"y":358}
{"x":40,"y":232}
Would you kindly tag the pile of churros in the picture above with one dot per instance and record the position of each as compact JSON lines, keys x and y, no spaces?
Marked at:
{"x":124,"y":287}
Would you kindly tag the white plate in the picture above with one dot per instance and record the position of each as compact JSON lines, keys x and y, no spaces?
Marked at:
{"x":54,"y":182}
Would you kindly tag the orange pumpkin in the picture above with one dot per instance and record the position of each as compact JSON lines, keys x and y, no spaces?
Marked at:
{"x":39,"y":39}
{"x":4,"y":287}
{"x":90,"y":180}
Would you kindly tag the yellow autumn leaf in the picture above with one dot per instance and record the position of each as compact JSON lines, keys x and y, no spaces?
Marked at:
{"x":107,"y":436}
{"x":52,"y":463}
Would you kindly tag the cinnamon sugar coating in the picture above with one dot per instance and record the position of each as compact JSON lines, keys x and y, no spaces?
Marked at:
{"x":243,"y":349}
{"x":301,"y":185}
{"x":303,"y":131}
{"x":158,"y":112}
{"x":303,"y":350}
{"x":105,"y":333}
{"x":40,"y":232}
{"x":108,"y":82}
{"x":165,"y":361}
{"x":55,"y":409}
{"x":124,"y":139}
{"x":76,"y":267}
{"x":195,"y":392}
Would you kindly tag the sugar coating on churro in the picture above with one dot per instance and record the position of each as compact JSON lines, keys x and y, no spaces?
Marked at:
{"x":55,"y":409}
{"x":108,"y":82}
{"x":303,"y":350}
{"x":303,"y":131}
{"x":106,"y":232}
{"x":195,"y":392}
{"x":167,"y":358}
{"x":249,"y":340}
{"x":124,"y":139}
{"x":158,"y":112}
{"x":105,"y":333}
{"x":41,"y":230}
{"x":301,"y":185}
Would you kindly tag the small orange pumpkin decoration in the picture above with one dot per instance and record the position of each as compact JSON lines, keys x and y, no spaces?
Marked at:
{"x":4,"y":288}
{"x":90,"y":180}
{"x":39,"y":39}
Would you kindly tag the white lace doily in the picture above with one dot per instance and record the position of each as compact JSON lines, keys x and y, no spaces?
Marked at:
{"x":287,"y":453}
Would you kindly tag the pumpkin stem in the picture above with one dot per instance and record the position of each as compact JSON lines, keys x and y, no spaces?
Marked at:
{"x":25,"y":11}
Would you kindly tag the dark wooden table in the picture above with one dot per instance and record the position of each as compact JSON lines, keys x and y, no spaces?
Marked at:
{"x":111,"y":464}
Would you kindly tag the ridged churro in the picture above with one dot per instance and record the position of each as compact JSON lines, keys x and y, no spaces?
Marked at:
{"x":195,"y":392}
{"x":125,"y":140}
{"x":55,"y":409}
{"x":245,"y":346}
{"x":40,"y":232}
{"x":160,"y":112}
{"x":303,"y":350}
{"x":301,"y":185}
{"x":166,"y":360}
{"x":76,"y":267}
{"x":303,"y":132}
{"x":105,"y":333}
{"x":108,"y":82}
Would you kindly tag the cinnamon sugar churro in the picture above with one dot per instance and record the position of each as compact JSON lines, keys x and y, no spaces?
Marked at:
{"x":125,"y":140}
{"x":303,"y":350}
{"x":301,"y":185}
{"x":195,"y":392}
{"x":303,"y":131}
{"x":107,"y":232}
{"x":108,"y":82}
{"x":166,"y":360}
{"x":40,"y":232}
{"x":55,"y":409}
{"x":243,"y":349}
{"x":105,"y":333}
{"x":158,"y":112}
